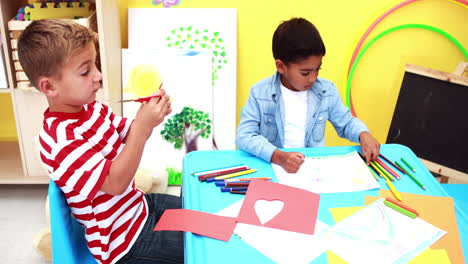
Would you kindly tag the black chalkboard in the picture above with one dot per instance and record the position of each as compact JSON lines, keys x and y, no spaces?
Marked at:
{"x":431,"y":118}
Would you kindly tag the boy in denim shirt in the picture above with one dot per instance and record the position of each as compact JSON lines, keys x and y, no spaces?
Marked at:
{"x":290,"y":108}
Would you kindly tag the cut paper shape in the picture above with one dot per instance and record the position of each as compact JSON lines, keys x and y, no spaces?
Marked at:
{"x":432,"y":256}
{"x":266,"y":210}
{"x":334,"y":259}
{"x":205,"y":224}
{"x":299,"y":212}
{"x":438,"y":211}
{"x":284,"y":247}
{"x":343,"y":212}
{"x":380,"y":234}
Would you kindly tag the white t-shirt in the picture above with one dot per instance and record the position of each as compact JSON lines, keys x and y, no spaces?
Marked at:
{"x":295,"y":112}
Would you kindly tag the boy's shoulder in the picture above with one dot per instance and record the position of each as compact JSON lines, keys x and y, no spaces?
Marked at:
{"x":266,"y":86}
{"x":324,"y":87}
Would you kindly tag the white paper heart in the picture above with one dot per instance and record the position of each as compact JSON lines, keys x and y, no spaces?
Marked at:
{"x":266,"y":210}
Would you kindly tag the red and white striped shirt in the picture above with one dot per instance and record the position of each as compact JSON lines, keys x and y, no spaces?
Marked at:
{"x":78,"y":149}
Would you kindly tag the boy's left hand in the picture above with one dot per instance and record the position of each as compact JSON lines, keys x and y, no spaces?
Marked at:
{"x":370,"y":146}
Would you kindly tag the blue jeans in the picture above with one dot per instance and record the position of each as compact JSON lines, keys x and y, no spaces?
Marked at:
{"x":161,"y":247}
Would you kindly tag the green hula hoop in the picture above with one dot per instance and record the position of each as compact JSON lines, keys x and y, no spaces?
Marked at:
{"x":366,"y":47}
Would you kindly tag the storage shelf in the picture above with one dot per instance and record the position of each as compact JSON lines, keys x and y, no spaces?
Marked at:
{"x":11,"y":171}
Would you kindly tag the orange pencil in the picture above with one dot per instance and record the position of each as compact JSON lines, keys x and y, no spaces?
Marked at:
{"x":402,"y":206}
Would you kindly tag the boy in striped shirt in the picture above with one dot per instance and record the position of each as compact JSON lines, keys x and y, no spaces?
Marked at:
{"x":93,"y":154}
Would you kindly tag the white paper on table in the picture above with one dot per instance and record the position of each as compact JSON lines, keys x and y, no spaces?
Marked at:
{"x":329,"y":174}
{"x":283,"y":247}
{"x":380,"y":234}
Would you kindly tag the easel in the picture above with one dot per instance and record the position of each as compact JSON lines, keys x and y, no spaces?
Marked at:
{"x":460,"y":76}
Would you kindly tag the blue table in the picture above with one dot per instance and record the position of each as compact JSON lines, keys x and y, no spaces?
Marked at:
{"x":207,"y":198}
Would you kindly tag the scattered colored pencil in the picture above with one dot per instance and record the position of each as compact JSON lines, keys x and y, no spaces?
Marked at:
{"x":411,"y":176}
{"x":204,"y":177}
{"x":385,"y":174}
{"x":364,"y":160}
{"x":388,"y":168}
{"x":231,"y":175}
{"x":391,"y":163}
{"x":400,"y":209}
{"x":407,"y":164}
{"x":198,"y":173}
{"x":394,"y":190}
{"x":402,"y":206}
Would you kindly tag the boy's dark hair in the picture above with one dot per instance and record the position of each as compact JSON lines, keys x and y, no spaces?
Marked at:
{"x":297,"y":39}
{"x":45,"y":45}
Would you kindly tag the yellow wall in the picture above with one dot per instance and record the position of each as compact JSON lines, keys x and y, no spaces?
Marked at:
{"x":7,"y":121}
{"x":341,"y":23}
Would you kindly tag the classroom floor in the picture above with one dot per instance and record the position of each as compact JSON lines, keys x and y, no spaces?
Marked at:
{"x":22,"y":216}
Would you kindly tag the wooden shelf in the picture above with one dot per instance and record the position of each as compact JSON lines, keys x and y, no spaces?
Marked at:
{"x":19,"y":160}
{"x":12,"y":169}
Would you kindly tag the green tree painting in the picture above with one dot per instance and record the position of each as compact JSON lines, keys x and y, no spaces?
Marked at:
{"x":184,"y":129}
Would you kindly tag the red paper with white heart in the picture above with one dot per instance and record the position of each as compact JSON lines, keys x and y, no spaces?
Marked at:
{"x":279,"y":206}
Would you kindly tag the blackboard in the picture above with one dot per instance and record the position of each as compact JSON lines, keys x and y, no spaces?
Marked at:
{"x":431,"y":118}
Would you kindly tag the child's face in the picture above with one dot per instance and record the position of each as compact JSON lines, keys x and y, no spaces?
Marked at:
{"x":299,"y":76}
{"x":79,"y":82}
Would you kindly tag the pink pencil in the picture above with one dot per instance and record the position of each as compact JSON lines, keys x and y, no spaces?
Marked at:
{"x":388,"y":168}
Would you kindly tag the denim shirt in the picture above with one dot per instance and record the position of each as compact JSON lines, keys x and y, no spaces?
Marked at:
{"x":261,"y":127}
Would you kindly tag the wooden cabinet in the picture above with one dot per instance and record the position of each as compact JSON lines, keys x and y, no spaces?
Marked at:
{"x":19,"y":156}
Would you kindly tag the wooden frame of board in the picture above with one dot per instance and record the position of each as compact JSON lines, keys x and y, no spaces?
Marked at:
{"x":457,"y":77}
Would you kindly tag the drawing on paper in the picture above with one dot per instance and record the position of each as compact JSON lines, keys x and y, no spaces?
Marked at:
{"x":188,"y":127}
{"x":190,"y":37}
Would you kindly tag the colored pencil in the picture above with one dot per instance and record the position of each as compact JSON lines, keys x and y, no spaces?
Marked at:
{"x":232,"y":184}
{"x":239,"y":189}
{"x":385,"y":174}
{"x":204,"y":177}
{"x":411,"y":176}
{"x":243,"y":179}
{"x":388,"y":168}
{"x":238,"y":192}
{"x":394,"y":190}
{"x":364,"y":160}
{"x":198,"y":173}
{"x":399,"y":209}
{"x":402,"y":206}
{"x":391,"y":163}
{"x":407,"y":164}
{"x":235,"y":174}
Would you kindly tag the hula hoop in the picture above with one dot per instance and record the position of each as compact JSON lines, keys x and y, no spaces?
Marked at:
{"x":366,"y":47}
{"x":463,"y":3}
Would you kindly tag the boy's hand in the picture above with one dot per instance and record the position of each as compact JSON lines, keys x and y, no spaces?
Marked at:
{"x":370,"y":146}
{"x":290,"y":161}
{"x":153,"y":112}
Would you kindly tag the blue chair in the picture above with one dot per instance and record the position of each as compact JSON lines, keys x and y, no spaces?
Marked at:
{"x":68,"y":242}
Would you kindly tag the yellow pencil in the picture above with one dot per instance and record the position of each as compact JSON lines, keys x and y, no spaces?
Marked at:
{"x":394,"y":190}
{"x":382,"y":170}
{"x":235,"y":174}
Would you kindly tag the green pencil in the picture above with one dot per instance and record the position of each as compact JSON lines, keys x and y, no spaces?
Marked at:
{"x":407,"y":164}
{"x":411,"y":176}
{"x":399,"y":209}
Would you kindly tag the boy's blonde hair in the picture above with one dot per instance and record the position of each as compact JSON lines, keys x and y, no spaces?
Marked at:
{"x":45,"y":46}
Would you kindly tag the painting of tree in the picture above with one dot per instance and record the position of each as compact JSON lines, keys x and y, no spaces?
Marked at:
{"x":184,"y":129}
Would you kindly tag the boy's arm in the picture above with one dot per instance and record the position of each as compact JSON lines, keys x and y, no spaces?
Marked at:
{"x":290,"y":161}
{"x":248,"y":136}
{"x":125,"y":165}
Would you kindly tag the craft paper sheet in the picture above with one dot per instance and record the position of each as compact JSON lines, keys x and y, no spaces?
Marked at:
{"x":323,"y":175}
{"x":379,"y":234}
